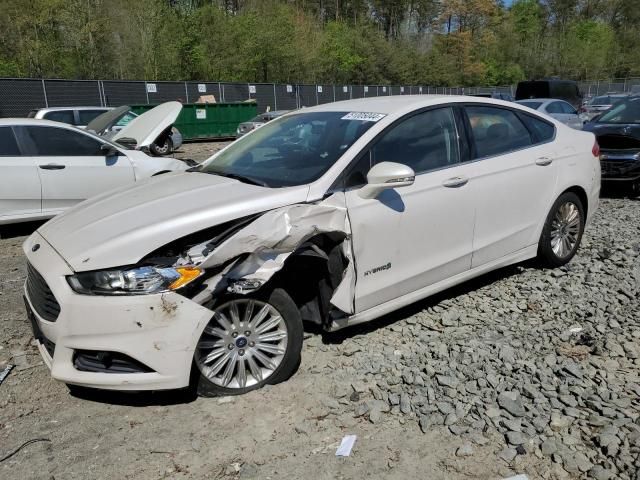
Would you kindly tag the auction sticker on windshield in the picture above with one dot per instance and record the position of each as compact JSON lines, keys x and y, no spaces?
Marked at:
{"x":364,"y":116}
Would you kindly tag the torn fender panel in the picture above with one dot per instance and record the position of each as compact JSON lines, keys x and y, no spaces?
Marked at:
{"x":265,"y":244}
{"x":343,"y":296}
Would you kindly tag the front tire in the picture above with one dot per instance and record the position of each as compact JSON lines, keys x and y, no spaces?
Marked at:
{"x":160,"y":150}
{"x":562,"y":231}
{"x":250,"y":341}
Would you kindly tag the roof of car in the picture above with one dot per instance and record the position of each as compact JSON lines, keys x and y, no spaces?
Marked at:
{"x":58,"y":109}
{"x":399,"y":103}
{"x":4,"y":122}
{"x":541,"y":100}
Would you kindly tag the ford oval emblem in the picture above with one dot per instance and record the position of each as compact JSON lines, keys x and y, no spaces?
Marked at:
{"x":35,"y":248}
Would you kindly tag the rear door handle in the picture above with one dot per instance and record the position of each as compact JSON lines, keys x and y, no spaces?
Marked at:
{"x":455,"y":182}
{"x":52,"y":166}
{"x":544,"y":161}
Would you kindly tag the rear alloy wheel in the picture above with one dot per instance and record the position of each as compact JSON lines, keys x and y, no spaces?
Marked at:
{"x":249,"y":342}
{"x":562,"y":231}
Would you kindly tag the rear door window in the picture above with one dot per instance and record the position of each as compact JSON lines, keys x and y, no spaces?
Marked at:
{"x":555,"y":107}
{"x":64,"y":116}
{"x":542,"y":131}
{"x":496,"y":131}
{"x":58,"y":142}
{"x":567,"y":108}
{"x":8,"y":144}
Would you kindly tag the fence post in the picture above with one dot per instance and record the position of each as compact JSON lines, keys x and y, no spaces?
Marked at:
{"x":221,"y":91}
{"x":186,"y":92}
{"x":275,"y":98}
{"x":334,"y":92}
{"x":146,"y":91}
{"x":99,"y":93}
{"x":44,"y":90}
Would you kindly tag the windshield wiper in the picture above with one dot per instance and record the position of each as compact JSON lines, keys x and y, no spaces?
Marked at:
{"x":236,"y":176}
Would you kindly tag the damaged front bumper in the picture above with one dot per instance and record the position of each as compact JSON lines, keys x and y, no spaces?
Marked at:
{"x":143,"y":342}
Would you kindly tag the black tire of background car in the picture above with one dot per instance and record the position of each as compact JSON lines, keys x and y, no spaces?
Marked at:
{"x":165,"y":149}
{"x":291,"y":315}
{"x":546,"y":255}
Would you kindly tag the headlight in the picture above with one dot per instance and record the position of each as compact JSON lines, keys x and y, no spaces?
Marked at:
{"x":134,"y":281}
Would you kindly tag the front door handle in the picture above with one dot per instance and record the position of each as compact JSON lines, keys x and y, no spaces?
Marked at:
{"x":52,"y":166}
{"x":455,"y":182}
{"x":544,"y":161}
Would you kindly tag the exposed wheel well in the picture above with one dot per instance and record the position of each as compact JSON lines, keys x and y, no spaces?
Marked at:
{"x":582,"y":195}
{"x":312,"y":273}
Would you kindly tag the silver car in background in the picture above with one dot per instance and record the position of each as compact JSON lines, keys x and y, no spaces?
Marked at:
{"x":76,"y":116}
{"x":559,"y":109}
{"x":83,"y":117}
{"x":258,"y":121}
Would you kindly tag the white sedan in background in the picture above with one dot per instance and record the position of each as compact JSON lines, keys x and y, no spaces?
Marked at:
{"x":332,"y":215}
{"x":47,"y":167}
{"x":558,"y":109}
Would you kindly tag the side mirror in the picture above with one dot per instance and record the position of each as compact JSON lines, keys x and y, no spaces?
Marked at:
{"x":108,"y":150}
{"x":386,"y":175}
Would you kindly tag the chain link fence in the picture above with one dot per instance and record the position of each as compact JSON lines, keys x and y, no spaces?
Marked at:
{"x":19,"y":96}
{"x":616,"y":85}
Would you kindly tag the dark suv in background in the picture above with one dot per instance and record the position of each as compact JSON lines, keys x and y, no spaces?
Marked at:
{"x":566,"y":90}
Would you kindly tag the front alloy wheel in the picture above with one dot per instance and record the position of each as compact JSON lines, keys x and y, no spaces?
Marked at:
{"x":249,"y":342}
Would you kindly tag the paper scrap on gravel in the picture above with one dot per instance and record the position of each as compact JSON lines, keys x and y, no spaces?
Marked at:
{"x":518,"y":477}
{"x":344,"y":450}
{"x":5,"y":372}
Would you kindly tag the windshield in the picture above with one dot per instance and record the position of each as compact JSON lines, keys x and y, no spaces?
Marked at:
{"x":292,"y":150}
{"x":623,"y":112}
{"x":533,"y":105}
{"x":126,"y":119}
{"x":262,"y":118}
{"x":600,"y":101}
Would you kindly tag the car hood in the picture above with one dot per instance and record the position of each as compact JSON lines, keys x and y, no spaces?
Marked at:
{"x":108,"y":119}
{"x":122,"y":226}
{"x":146,"y":128}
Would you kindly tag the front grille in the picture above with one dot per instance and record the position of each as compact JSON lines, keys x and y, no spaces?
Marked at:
{"x":107,"y":362}
{"x":37,"y":332}
{"x":619,"y":167}
{"x":41,"y":296}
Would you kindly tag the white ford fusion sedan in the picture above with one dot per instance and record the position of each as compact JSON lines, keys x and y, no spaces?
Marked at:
{"x":333,"y":215}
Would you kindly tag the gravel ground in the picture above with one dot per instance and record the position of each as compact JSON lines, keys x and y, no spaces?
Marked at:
{"x":200,"y":151}
{"x":521,"y":371}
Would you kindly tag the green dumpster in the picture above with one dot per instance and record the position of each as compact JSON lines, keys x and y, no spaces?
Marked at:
{"x":202,"y":121}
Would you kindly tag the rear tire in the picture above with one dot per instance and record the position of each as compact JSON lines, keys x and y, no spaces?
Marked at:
{"x":258,"y":354}
{"x":562,"y":231}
